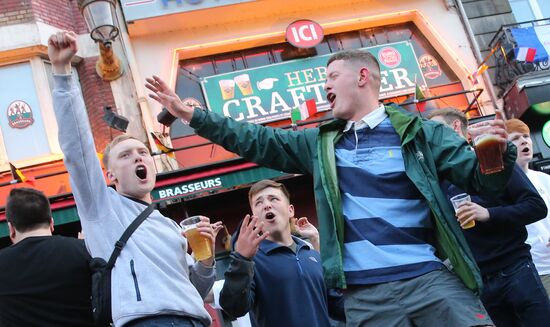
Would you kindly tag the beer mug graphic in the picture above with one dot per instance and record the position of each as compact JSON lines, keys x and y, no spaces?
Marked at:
{"x":243,"y":82}
{"x":227,"y":86}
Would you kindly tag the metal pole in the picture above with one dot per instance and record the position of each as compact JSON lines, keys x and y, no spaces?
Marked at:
{"x":476,"y":51}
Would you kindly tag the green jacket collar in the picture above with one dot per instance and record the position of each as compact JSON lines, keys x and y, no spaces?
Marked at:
{"x":406,"y":124}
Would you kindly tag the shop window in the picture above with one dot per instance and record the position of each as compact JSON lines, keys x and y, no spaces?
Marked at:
{"x":350,"y":40}
{"x":368,"y":38}
{"x":228,"y":63}
{"x":526,"y":10}
{"x":27,"y":135}
{"x":256,"y":59}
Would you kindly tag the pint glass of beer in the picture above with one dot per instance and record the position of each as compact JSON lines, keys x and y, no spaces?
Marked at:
{"x":201,"y":246}
{"x":488,"y":154}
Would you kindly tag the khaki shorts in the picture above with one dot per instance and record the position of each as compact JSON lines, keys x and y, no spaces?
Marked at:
{"x":437,"y":298}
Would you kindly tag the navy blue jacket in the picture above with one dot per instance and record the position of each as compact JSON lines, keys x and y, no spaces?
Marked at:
{"x":280,"y":288}
{"x":500,"y":241}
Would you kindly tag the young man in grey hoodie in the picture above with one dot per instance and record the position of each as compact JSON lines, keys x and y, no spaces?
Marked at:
{"x":154,"y":282}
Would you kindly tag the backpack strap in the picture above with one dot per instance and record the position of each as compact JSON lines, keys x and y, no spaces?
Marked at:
{"x":127,"y":233}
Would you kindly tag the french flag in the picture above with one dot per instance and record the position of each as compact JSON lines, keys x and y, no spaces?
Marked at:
{"x":531,"y":43}
{"x":525,"y":54}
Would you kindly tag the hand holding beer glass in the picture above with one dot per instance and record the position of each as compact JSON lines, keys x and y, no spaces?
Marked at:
{"x":199,"y":234}
{"x":458,"y":201}
{"x":490,"y":140}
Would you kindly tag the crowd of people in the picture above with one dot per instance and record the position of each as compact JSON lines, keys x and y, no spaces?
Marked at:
{"x":390,"y":249}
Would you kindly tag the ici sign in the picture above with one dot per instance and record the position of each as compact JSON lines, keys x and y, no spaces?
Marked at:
{"x":304,"y":33}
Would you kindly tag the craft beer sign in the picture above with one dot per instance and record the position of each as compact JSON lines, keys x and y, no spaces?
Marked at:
{"x":268,"y":93}
{"x":304,"y":33}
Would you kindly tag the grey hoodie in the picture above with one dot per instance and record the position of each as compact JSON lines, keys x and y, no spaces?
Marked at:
{"x":153,"y":274}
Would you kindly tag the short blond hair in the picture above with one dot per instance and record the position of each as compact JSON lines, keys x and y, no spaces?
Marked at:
{"x":109,"y":147}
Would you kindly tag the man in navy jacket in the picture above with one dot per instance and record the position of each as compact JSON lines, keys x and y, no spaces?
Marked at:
{"x":513,"y":293}
{"x":276,"y":276}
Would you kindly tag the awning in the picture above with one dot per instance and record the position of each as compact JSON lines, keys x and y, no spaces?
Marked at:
{"x":179,"y":185}
{"x":219,"y":180}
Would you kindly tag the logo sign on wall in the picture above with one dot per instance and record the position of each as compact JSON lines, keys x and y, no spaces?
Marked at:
{"x":304,"y":33}
{"x":19,"y":114}
{"x":268,"y":93}
{"x":430,"y":66}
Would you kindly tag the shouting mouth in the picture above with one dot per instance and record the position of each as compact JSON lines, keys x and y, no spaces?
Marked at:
{"x":269,"y":216}
{"x":331,"y":97}
{"x":141,"y":172}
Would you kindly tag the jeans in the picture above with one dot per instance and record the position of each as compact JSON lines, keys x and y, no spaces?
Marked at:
{"x":165,"y":321}
{"x":515,"y":296}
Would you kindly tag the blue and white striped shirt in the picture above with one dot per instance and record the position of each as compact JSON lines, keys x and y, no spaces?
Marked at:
{"x":388,"y":230}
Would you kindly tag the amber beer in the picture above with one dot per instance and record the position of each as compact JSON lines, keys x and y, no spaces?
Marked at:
{"x":459,"y":200}
{"x":201,"y":245}
{"x":488,"y":154}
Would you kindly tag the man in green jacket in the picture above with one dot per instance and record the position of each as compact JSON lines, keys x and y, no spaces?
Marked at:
{"x":384,"y":223}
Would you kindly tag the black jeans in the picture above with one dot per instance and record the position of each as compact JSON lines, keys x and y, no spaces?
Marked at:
{"x":515,"y":296}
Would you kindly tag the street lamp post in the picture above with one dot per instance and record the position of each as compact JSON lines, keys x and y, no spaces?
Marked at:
{"x":101,"y":20}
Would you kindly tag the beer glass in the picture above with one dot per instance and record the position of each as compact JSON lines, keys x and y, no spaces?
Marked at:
{"x":459,"y":200}
{"x":489,"y":154}
{"x":227,"y":86}
{"x":243,"y":82}
{"x":201,"y":245}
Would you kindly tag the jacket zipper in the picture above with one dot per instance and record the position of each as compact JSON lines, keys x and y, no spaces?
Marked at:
{"x":298,"y":247}
{"x":138,"y":294}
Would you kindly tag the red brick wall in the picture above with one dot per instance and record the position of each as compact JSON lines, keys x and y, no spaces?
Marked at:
{"x":97,"y":94}
{"x":15,"y":12}
{"x":63,"y":14}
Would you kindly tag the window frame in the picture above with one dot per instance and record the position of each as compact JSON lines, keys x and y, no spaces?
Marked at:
{"x":45,"y":101}
{"x":535,"y":8}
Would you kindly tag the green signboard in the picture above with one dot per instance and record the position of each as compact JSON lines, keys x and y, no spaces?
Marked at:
{"x":194,"y":188}
{"x":268,"y":93}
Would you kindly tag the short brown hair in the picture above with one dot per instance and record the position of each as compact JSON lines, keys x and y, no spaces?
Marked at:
{"x":265,"y":183}
{"x":360,"y":57}
{"x":109,"y":147}
{"x":449,"y":115}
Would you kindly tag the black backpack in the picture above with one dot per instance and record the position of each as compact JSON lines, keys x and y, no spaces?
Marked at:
{"x":101,"y":274}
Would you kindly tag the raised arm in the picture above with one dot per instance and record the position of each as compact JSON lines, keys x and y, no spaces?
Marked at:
{"x":289,"y":151}
{"x":75,"y":136}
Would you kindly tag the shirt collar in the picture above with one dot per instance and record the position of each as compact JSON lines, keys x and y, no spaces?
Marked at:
{"x":267,"y":246}
{"x":371,"y":120}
